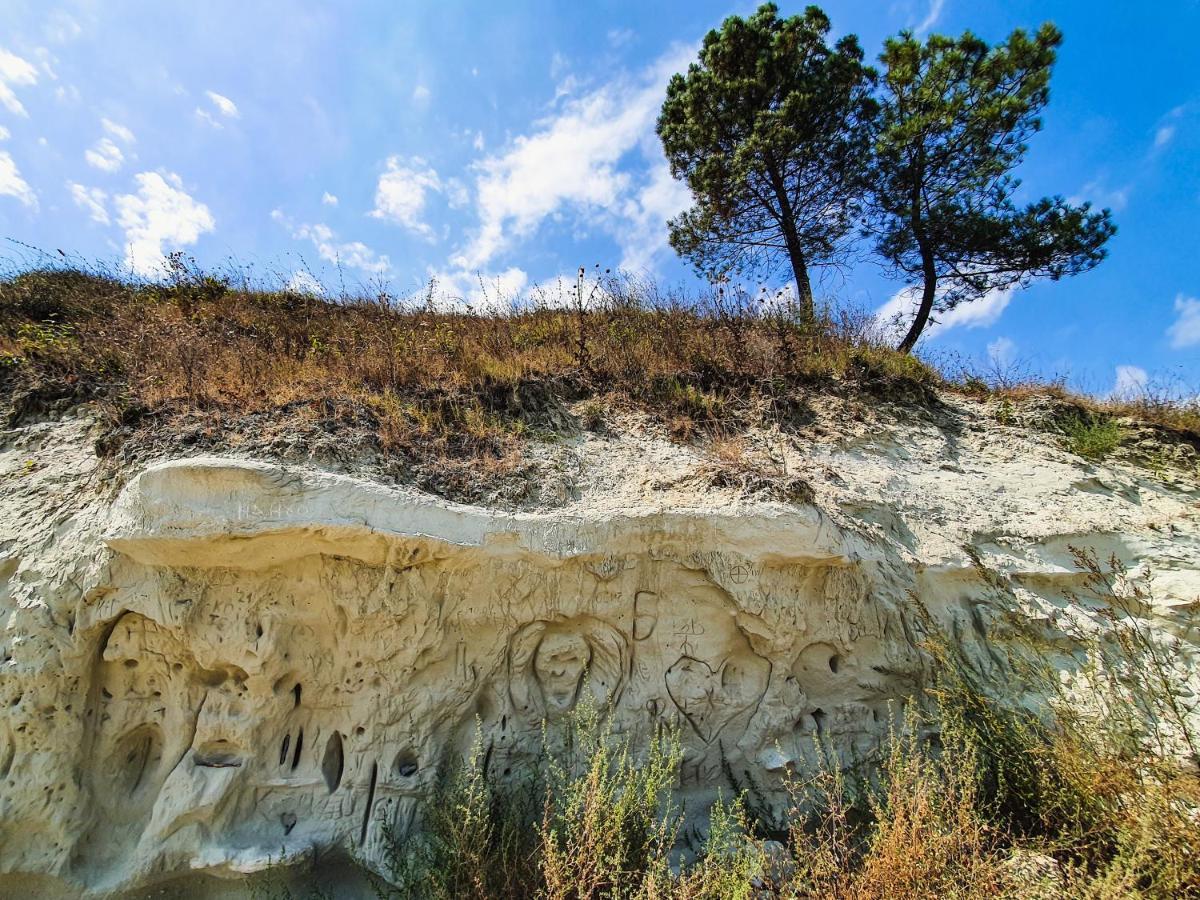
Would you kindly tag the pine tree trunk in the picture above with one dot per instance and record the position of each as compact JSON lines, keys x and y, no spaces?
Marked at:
{"x":928,"y":294}
{"x":928,"y":267}
{"x":787,"y":223}
{"x":808,"y":310}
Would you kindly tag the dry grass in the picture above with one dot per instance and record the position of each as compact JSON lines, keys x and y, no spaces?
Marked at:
{"x":455,"y":392}
{"x":434,"y":385}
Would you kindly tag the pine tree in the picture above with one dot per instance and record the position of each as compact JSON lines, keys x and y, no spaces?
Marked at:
{"x":771,"y":129}
{"x":954,"y":124}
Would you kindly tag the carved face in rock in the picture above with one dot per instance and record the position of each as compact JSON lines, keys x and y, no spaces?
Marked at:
{"x":551,"y":663}
{"x":559,"y":665}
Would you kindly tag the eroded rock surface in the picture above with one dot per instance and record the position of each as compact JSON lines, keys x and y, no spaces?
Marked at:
{"x":231,"y":663}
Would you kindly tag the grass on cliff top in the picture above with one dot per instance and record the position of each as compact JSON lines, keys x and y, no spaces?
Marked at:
{"x":432,"y":382}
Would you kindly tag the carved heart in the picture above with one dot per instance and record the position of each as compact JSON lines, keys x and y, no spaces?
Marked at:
{"x":709,"y":699}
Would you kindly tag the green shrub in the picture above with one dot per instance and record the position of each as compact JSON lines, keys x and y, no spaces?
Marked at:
{"x":1093,"y":437}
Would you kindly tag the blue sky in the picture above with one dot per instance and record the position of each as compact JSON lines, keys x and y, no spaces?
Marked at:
{"x":511,"y":142}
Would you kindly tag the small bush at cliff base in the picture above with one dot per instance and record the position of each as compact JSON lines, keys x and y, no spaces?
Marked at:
{"x":590,"y":819}
{"x":1093,"y":437}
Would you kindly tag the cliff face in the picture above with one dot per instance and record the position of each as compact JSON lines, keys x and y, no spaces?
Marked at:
{"x":226,"y":664}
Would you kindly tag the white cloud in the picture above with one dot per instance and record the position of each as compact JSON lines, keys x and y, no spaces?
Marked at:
{"x":303,"y":282}
{"x":478,"y":142}
{"x":659,"y":199}
{"x":931,"y":18}
{"x":895,"y":316}
{"x":1185,"y":330}
{"x":105,"y":156}
{"x":1130,"y":383}
{"x":353,"y":254}
{"x":1002,"y":351}
{"x":619,"y":37}
{"x":329,"y":199}
{"x":569,"y":161}
{"x":93,"y":200}
{"x":61,"y":28}
{"x":482,"y":291}
{"x":1165,"y":132}
{"x":4,"y":133}
{"x":18,"y":72}
{"x":120,"y":132}
{"x":400,"y":193}
{"x":457,"y":194}
{"x":13,"y":185}
{"x":159,"y":218}
{"x":421,"y":95}
{"x":1098,"y":193}
{"x":224,"y":105}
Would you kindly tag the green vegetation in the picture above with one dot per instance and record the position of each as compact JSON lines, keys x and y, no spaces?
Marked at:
{"x":450,"y":399}
{"x":784,"y":142}
{"x":771,"y":129}
{"x":971,"y":797}
{"x":1093,"y":436}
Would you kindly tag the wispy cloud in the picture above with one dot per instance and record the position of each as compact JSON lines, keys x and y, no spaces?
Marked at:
{"x":303,"y":282}
{"x":660,"y":198}
{"x":105,"y":155}
{"x":482,"y":291}
{"x":159,"y":218}
{"x":1130,"y":383}
{"x":400,"y":193}
{"x":1167,"y":127}
{"x":1185,"y":330}
{"x":931,"y":17}
{"x":1099,"y":193}
{"x":120,"y":132}
{"x":15,"y":72}
{"x":352,"y":254}
{"x":61,"y":27}
{"x":570,"y":161}
{"x":329,"y":199}
{"x":895,"y":316}
{"x":222,"y":106}
{"x":92,"y":200}
{"x":1002,"y":352}
{"x":13,"y":185}
{"x":421,"y":95}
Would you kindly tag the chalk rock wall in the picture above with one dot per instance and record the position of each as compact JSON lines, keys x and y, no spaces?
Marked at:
{"x":231,"y":664}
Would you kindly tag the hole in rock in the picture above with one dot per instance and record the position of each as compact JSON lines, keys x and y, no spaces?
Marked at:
{"x":835,"y":661}
{"x":333,"y":761}
{"x":131,"y":663}
{"x":299,"y":747}
{"x":296,"y":692}
{"x":258,"y":631}
{"x":217,"y":755}
{"x":10,"y":753}
{"x":362,"y":836}
{"x":135,"y":757}
{"x":406,"y":764}
{"x":283,"y":749}
{"x":819,"y":716}
{"x":211,"y":677}
{"x":288,"y":821}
